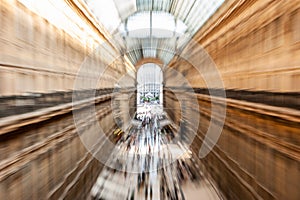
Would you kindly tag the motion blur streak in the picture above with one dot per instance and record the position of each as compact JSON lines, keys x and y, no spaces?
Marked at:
{"x":149,"y":99}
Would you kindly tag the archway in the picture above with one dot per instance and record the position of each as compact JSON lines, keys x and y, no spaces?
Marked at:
{"x":149,"y":87}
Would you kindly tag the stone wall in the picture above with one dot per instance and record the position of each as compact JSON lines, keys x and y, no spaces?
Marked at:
{"x":41,"y":151}
{"x":255,"y":46}
{"x":42,"y":154}
{"x":257,"y":154}
{"x":38,"y":57}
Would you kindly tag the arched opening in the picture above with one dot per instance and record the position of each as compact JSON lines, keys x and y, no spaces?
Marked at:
{"x":149,"y":88}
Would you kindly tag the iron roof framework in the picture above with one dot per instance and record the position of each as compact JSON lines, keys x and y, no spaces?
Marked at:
{"x":152,"y":28}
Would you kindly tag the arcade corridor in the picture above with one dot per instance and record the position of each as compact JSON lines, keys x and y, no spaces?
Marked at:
{"x":149,"y":99}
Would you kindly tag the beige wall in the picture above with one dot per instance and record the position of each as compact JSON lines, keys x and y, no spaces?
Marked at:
{"x":255,"y":47}
{"x":36,"y":56}
{"x":257,"y":153}
{"x":47,"y":159}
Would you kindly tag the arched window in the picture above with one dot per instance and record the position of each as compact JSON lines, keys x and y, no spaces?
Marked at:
{"x":149,"y":87}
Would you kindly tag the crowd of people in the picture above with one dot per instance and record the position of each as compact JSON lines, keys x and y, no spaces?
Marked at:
{"x":142,"y":166}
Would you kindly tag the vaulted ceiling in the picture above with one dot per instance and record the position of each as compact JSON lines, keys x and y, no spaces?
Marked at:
{"x":152,"y":28}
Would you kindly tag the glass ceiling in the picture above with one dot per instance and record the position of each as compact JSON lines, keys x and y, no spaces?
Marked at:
{"x":114,"y":13}
{"x":140,"y":28}
{"x":155,"y":24}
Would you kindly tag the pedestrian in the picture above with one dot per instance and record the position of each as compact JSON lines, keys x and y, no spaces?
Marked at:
{"x":146,"y":191}
{"x":132,"y":195}
{"x":151,"y":193}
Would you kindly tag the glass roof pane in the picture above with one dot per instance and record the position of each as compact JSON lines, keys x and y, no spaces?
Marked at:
{"x":180,"y":27}
{"x":143,"y":5}
{"x":166,"y":4}
{"x":125,"y":8}
{"x":173,"y":6}
{"x":138,"y":25}
{"x":149,"y":52}
{"x":201,"y":13}
{"x":106,"y":12}
{"x":161,"y":5}
{"x":183,"y":9}
{"x":163,"y":25}
{"x":149,"y":48}
{"x":163,"y":20}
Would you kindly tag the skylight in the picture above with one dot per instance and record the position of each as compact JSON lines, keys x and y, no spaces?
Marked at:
{"x":156,"y":24}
